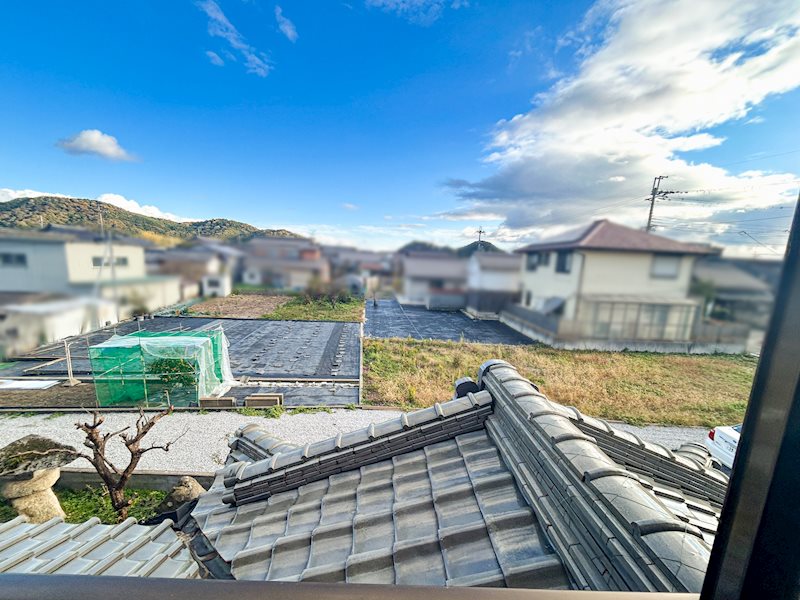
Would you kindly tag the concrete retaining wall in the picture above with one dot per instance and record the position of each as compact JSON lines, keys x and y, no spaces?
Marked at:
{"x":78,"y":479}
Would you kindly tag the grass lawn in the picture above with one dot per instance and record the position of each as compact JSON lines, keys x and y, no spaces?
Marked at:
{"x":299,"y":309}
{"x":639,"y":388}
{"x":80,"y":505}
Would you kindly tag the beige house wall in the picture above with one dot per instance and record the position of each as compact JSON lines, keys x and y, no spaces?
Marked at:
{"x":80,"y":268}
{"x":629,"y":273}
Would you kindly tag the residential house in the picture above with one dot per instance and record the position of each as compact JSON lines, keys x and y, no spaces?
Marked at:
{"x":493,"y":282}
{"x":607,"y":286}
{"x":75,"y":262}
{"x":28,"y":320}
{"x":734,"y":294}
{"x":437,"y":280}
{"x":283,"y":263}
{"x":196,"y":266}
{"x":373,"y":269}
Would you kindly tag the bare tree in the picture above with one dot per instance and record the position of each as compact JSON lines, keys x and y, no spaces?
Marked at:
{"x":114,"y":478}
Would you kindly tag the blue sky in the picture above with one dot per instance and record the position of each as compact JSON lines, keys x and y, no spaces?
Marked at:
{"x":382,"y":121}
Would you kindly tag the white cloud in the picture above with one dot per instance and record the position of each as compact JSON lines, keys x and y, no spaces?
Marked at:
{"x":255,"y":61}
{"x":7,"y":194}
{"x":285,"y":25}
{"x":349,"y":206}
{"x":215,"y":59}
{"x":141,"y":209}
{"x":654,"y":77}
{"x":419,"y":12}
{"x":94,"y":141}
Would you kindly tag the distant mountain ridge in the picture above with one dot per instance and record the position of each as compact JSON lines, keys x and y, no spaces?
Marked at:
{"x":29,"y":213}
{"x":462,"y":252}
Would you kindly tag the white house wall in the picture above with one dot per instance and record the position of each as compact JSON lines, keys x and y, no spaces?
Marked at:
{"x":544,"y":283}
{"x":46,"y":269}
{"x":628,"y":273}
{"x":491,"y":281}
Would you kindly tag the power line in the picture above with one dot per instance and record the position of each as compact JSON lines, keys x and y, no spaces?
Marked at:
{"x":767,"y":246}
{"x":740,"y":162}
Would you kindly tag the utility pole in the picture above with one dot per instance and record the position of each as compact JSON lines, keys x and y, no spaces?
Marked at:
{"x":656,"y":184}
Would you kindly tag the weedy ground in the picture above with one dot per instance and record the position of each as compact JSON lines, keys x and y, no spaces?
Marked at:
{"x":638,"y":388}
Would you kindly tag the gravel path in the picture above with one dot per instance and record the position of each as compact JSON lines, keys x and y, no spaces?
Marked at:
{"x":671,"y":437}
{"x":203,"y":444}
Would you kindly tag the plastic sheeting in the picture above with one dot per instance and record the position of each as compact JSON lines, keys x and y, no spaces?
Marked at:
{"x":157,"y":368}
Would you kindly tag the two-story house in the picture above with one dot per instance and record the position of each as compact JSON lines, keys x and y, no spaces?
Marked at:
{"x":609,"y":286}
{"x":75,"y":262}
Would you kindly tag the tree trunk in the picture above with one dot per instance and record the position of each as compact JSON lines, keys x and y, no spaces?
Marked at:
{"x":119,"y":503}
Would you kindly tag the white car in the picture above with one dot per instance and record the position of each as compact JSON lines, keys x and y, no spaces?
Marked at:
{"x":722,"y":442}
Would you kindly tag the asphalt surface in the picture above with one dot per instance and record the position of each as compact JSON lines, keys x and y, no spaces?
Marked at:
{"x":390,"y":319}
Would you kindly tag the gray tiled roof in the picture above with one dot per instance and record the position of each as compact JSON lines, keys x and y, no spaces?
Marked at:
{"x":612,"y":528}
{"x":91,"y":548}
{"x":250,"y":482}
{"x":447,"y":514}
{"x":499,"y":487}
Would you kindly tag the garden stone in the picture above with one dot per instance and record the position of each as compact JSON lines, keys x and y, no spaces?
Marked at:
{"x":34,"y":453}
{"x":186,"y":490}
{"x":29,"y":467}
{"x":34,"y":498}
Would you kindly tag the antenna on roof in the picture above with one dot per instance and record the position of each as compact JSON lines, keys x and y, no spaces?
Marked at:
{"x":480,"y":233}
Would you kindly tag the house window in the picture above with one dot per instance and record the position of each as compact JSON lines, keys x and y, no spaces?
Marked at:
{"x":665,"y":266}
{"x":532,"y":261}
{"x":119,"y":261}
{"x":544,"y":259}
{"x":11,"y":259}
{"x":564,"y":261}
{"x":528,"y":299}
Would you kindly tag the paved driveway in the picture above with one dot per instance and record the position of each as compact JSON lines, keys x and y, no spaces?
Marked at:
{"x":390,"y":319}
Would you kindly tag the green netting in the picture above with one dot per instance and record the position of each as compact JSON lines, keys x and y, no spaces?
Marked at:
{"x":156,"y":368}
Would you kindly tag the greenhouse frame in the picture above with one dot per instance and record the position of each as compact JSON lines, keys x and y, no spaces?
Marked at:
{"x":148,"y":368}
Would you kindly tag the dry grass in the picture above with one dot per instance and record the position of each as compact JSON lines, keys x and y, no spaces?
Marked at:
{"x":240,"y":306}
{"x":669,"y":389}
{"x":302,"y":309}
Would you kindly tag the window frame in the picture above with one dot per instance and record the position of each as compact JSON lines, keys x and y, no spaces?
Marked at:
{"x":14,"y":260}
{"x":654,"y":274}
{"x":564,"y":260}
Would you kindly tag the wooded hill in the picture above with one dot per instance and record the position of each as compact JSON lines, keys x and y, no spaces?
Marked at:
{"x":32,"y":212}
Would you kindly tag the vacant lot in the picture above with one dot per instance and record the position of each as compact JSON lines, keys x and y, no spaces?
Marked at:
{"x":239,"y":306}
{"x":668,"y":389}
{"x":302,"y":309}
{"x":279,"y":308}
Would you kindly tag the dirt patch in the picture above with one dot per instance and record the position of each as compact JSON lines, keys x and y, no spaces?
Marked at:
{"x":58,"y":396}
{"x":242,"y":306}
